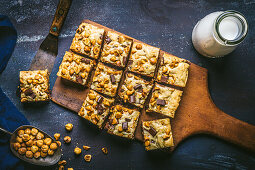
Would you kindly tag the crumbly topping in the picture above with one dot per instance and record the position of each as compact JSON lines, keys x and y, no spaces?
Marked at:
{"x":135,"y":90}
{"x":157,"y":134}
{"x":95,"y":108}
{"x":75,"y":68}
{"x":88,"y":40}
{"x":173,"y":70}
{"x":123,"y":121}
{"x":116,"y":49}
{"x":34,"y":85}
{"x":143,"y":59}
{"x":165,"y":100}
{"x":106,"y":80}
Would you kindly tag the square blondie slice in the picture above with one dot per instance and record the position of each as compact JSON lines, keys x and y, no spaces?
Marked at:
{"x":164,"y":100}
{"x":116,"y":49}
{"x":95,"y":108}
{"x":106,"y":80}
{"x":88,"y":40}
{"x":135,"y":90}
{"x":75,"y":68}
{"x":173,"y":70}
{"x":143,"y":59}
{"x":123,"y":121}
{"x":34,"y":86}
{"x":157,"y":134}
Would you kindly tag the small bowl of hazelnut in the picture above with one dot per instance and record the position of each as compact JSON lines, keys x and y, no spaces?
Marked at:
{"x":34,"y":146}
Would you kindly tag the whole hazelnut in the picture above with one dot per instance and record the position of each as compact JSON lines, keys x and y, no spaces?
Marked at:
{"x":39,"y":136}
{"x":34,"y":131}
{"x":22,"y":151}
{"x":45,"y":148}
{"x":21,"y":133}
{"x":57,"y":136}
{"x":30,"y":142}
{"x":67,"y":139}
{"x":47,"y":141}
{"x":50,"y":152}
{"x":25,"y":137}
{"x":16,"y":146}
{"x":59,"y":143}
{"x":43,"y":154}
{"x":19,"y":139}
{"x":53,"y":146}
{"x":37,"y":155}
{"x":39,"y":143}
{"x":69,"y":126}
{"x":34,"y":148}
{"x":27,"y":131}
{"x":29,"y":154}
{"x":77,"y":151}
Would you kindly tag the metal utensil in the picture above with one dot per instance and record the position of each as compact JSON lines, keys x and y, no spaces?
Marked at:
{"x":46,"y":55}
{"x":47,"y":161}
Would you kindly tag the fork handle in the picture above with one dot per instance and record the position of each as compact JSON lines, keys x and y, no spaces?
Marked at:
{"x":5,"y":131}
{"x":60,"y":16}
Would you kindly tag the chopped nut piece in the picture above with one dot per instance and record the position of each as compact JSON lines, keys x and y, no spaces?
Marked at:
{"x":67,"y":139}
{"x":34,"y":131}
{"x":28,"y":131}
{"x":29,"y":154}
{"x":87,"y":158}
{"x":21,"y":133}
{"x":45,"y":148}
{"x":47,"y":141}
{"x":39,"y":143}
{"x":43,"y":154}
{"x":63,"y":162}
{"x":61,"y":167}
{"x":34,"y":148}
{"x":86,"y":147}
{"x":19,"y":139}
{"x":39,"y":136}
{"x":69,"y":168}
{"x":25,"y":137}
{"x":22,"y":151}
{"x":50,"y":152}
{"x":105,"y":151}
{"x":59,"y":143}
{"x":77,"y":151}
{"x":57,"y":136}
{"x":53,"y":146}
{"x":69,"y":127}
{"x":37,"y":155}
{"x":16,"y":146}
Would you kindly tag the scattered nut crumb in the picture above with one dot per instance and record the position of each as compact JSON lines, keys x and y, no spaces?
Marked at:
{"x":63,"y":162}
{"x":105,"y":151}
{"x":57,"y":136}
{"x":59,"y":143}
{"x":87,"y":158}
{"x":69,"y":126}
{"x":86,"y":147}
{"x":67,"y":139}
{"x":77,"y":151}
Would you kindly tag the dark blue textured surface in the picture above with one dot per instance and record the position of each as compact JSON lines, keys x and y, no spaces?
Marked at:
{"x":10,"y":117}
{"x":163,"y":23}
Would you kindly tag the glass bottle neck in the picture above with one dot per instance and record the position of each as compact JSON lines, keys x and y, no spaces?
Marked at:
{"x":230,"y":28}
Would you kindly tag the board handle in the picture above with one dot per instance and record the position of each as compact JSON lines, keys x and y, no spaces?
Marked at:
{"x":231,"y":129}
{"x":60,"y":16}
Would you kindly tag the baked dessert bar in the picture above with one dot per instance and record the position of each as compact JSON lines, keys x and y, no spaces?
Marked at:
{"x":123,"y":121}
{"x":106,"y":80}
{"x":88,"y":40}
{"x":157,"y":134}
{"x":95,"y":108}
{"x":116,"y":49}
{"x":75,"y":68}
{"x":173,"y":70}
{"x":143,"y":59}
{"x":164,"y":100}
{"x":34,"y":86}
{"x":135,"y":90}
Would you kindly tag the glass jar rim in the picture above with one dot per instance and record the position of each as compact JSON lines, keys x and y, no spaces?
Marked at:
{"x":242,"y":20}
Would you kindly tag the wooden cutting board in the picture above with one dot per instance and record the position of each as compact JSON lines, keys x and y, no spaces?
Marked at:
{"x":197,"y":114}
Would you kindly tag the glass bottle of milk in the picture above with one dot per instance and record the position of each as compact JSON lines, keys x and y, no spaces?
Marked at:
{"x":219,"y":33}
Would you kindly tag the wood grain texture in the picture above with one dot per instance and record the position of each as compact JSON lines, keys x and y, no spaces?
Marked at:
{"x":197,"y":114}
